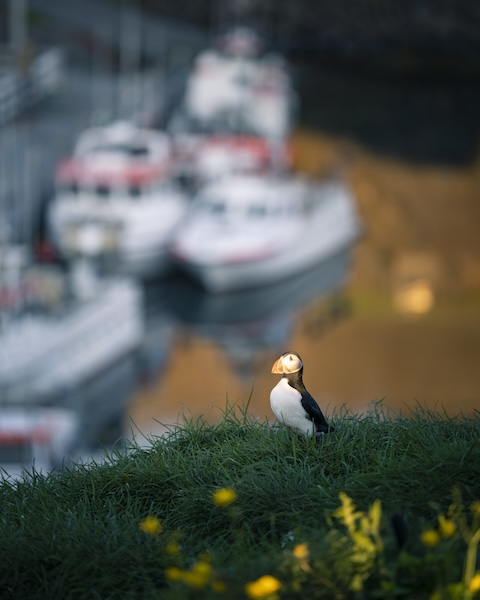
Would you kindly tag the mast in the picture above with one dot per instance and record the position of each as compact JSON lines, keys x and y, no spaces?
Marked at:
{"x":18,"y":35}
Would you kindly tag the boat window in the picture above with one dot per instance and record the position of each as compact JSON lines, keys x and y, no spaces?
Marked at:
{"x":212,"y":206}
{"x":127,"y":149}
{"x":161,"y":186}
{"x":276,"y":209}
{"x":69,"y":188}
{"x":134,"y":191}
{"x":217,"y":208}
{"x":138,"y":151}
{"x":15,"y":452}
{"x":102,"y":190}
{"x":257,"y":210}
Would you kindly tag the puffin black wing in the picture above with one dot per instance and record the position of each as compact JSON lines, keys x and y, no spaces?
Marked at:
{"x":313,"y":410}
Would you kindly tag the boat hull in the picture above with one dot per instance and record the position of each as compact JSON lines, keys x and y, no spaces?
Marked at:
{"x":45,"y":359}
{"x":124,"y":239}
{"x":333,"y":227}
{"x":223,"y":278}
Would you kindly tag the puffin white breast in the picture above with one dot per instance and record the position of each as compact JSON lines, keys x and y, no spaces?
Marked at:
{"x":286,"y":404}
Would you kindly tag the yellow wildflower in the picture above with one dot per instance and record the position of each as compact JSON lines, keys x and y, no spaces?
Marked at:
{"x":447,"y":526}
{"x":194,"y":580}
{"x":205,"y":557}
{"x":430,"y":538}
{"x":263,"y":587}
{"x":436,"y":596}
{"x":202,"y":567}
{"x":224,"y":496}
{"x":199,"y":575}
{"x":173,"y":574}
{"x":476,"y":507}
{"x":150,"y":525}
{"x":474,"y":585}
{"x":172,"y":549}
{"x":218,"y":586}
{"x":301,"y":551}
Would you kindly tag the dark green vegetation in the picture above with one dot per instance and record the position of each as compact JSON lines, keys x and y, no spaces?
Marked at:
{"x":77,"y":534}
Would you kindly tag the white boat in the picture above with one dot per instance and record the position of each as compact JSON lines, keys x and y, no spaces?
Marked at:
{"x":238,"y":110}
{"x":236,"y":86}
{"x":240,"y":94}
{"x":55,"y":341}
{"x":202,"y":159}
{"x":115,"y":200}
{"x":245,"y":231}
{"x":42,"y":439}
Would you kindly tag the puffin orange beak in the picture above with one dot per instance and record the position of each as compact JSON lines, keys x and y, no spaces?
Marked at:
{"x":277,"y":367}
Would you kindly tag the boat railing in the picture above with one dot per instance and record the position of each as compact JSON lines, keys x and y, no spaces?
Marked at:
{"x":23,"y":86}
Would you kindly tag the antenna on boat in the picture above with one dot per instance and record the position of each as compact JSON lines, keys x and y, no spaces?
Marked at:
{"x":18,"y":39}
{"x":130,"y":48}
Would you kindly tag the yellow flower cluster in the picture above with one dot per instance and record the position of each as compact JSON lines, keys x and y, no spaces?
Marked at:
{"x":224,"y":496}
{"x":151,"y":525}
{"x":475,"y":583}
{"x":363,"y":529}
{"x":172,"y":549}
{"x":430,"y":538}
{"x":198,"y":577}
{"x":264,"y":587}
{"x":301,"y":551}
{"x":446,"y":529}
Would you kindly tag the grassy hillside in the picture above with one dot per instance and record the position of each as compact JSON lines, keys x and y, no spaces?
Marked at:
{"x":244,"y":510}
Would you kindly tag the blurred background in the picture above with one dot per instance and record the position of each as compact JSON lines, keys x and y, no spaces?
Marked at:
{"x":382,"y":96}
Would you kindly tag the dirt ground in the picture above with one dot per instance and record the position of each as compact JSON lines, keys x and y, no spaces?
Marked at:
{"x":426,"y":216}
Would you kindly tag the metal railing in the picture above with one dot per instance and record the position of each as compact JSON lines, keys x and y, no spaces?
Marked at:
{"x":21,"y":89}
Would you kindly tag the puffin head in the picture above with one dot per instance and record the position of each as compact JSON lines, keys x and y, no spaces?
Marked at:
{"x":289,"y":362}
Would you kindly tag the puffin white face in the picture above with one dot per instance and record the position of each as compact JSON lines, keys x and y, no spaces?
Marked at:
{"x":289,"y":362}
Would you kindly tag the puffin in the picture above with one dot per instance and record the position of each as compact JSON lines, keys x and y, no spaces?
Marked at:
{"x":290,"y":401}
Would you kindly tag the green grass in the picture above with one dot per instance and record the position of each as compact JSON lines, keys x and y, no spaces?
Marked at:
{"x":76,"y":534}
